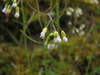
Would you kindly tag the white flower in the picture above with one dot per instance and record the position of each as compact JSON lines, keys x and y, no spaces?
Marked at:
{"x":71,"y":9}
{"x":69,"y":23}
{"x":65,"y":39}
{"x":16,"y":15}
{"x":51,"y":46}
{"x":42,"y":35}
{"x":6,"y":11}
{"x":81,"y":33}
{"x":57,"y":40}
{"x":76,"y":58}
{"x":3,"y":10}
{"x":69,"y":13}
{"x":77,"y":30}
{"x":78,"y":12}
{"x":14,"y":4}
{"x":46,"y":43}
{"x":82,"y":26}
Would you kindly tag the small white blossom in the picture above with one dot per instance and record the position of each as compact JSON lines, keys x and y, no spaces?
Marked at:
{"x":16,"y":15}
{"x":71,"y":9}
{"x":81,"y":33}
{"x":14,"y":4}
{"x":82,"y":26}
{"x":3,"y":10}
{"x":51,"y":46}
{"x":57,"y":40}
{"x":6,"y":11}
{"x":42,"y":35}
{"x":69,"y":23}
{"x":76,"y":58}
{"x":68,"y":13}
{"x":78,"y":12}
{"x":54,"y":40}
{"x":65,"y":39}
{"x":46,"y":43}
{"x":77,"y":30}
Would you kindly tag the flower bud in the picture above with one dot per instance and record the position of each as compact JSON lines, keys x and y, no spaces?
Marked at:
{"x":17,"y":13}
{"x":56,"y":37}
{"x":65,"y":39}
{"x":14,"y":4}
{"x":63,"y":33}
{"x":64,"y":36}
{"x":4,"y":10}
{"x":42,"y":34}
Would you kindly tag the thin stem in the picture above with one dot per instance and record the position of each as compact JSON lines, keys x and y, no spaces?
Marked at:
{"x":30,"y":38}
{"x":51,"y":3}
{"x":18,"y":2}
{"x":44,"y":11}
{"x":31,"y":6}
{"x":57,"y":12}
{"x":48,"y":23}
{"x":62,"y":12}
{"x":52,"y":21}
{"x":30,"y":19}
{"x":54,"y":5}
{"x":58,"y":24}
{"x":45,"y":59}
{"x":39,"y":14}
{"x":25,"y":38}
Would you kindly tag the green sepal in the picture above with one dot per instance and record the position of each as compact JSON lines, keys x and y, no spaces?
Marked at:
{"x":63,"y":33}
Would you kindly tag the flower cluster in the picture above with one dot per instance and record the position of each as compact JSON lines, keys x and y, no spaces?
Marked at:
{"x":78,"y":12}
{"x":79,"y":30}
{"x":75,"y":30}
{"x":94,"y":1}
{"x":8,"y":7}
{"x":69,"y":11}
{"x":53,"y":39}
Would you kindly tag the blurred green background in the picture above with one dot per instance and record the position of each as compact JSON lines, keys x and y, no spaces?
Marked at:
{"x":79,"y":56}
